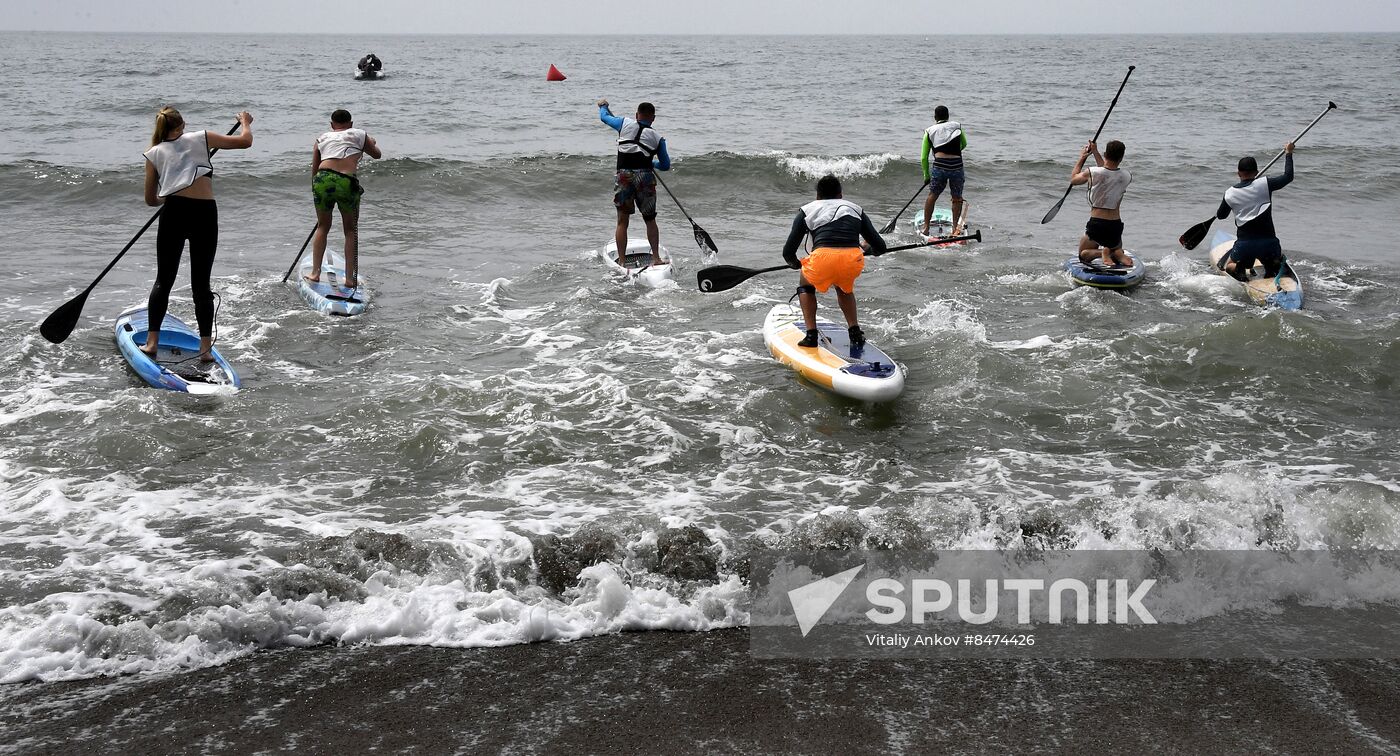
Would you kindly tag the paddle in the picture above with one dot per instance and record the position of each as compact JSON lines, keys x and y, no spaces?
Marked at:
{"x":299,"y":254}
{"x":61,"y":322}
{"x":1195,"y":234}
{"x":701,"y":238}
{"x":724,"y":277}
{"x":1056,"y":209}
{"x":890,"y":226}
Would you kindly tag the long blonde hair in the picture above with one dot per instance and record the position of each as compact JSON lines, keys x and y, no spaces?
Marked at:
{"x":167,"y":120}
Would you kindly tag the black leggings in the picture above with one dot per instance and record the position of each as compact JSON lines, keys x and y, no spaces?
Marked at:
{"x":198,"y":221}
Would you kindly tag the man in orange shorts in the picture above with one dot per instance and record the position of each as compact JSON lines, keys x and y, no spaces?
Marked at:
{"x":837,"y":257}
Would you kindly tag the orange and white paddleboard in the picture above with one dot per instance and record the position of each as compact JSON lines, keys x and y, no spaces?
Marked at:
{"x":864,"y":372}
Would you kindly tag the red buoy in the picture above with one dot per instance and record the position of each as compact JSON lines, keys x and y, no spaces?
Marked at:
{"x":554,"y":74}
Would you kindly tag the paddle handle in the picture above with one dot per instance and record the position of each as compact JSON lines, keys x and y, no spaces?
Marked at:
{"x":1330,"y":106}
{"x":1111,"y":105}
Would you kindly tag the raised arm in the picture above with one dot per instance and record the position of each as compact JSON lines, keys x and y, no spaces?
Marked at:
{"x":240,"y":141}
{"x":605,"y":115}
{"x":372,"y":147}
{"x":1080,"y":175}
{"x":1279,"y":182}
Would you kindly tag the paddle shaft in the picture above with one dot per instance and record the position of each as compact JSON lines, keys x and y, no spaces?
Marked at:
{"x":890,"y":226}
{"x":1056,"y":209}
{"x":299,"y":254}
{"x":1267,"y":166}
{"x":948,"y":240}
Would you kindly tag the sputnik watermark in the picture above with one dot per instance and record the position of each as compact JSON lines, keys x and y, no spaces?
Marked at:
{"x":1106,"y":602}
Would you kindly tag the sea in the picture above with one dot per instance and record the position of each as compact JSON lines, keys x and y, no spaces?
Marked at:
{"x":444,"y":525}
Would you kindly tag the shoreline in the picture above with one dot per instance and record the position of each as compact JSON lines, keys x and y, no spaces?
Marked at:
{"x":668,"y":692}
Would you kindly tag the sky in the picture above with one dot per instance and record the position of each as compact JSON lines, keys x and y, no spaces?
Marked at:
{"x":703,"y":16}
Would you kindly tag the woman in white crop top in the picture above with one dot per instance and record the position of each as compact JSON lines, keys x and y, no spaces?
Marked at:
{"x":178,"y":179}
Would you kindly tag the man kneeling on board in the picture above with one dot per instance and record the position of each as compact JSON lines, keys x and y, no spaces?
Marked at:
{"x":837,"y":258}
{"x":1252,"y":199}
{"x":1103,"y":234}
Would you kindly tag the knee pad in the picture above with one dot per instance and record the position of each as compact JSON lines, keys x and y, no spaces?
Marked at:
{"x":807,"y":289}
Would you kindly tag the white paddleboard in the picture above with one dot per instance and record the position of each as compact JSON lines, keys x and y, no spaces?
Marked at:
{"x":638,"y":265}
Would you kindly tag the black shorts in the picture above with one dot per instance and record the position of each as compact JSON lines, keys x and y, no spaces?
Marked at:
{"x":1105,"y":233}
{"x":1248,"y":251}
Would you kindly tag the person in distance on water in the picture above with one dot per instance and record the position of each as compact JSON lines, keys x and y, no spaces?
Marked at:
{"x":1103,"y":234}
{"x":634,"y":185}
{"x":334,"y":160}
{"x":837,"y":258}
{"x":178,"y":178}
{"x":371,"y":62}
{"x":946,"y":140}
{"x":1252,"y":202}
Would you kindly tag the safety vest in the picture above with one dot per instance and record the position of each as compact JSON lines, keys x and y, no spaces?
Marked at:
{"x":821,"y":212}
{"x":1249,"y":201}
{"x":637,"y":142}
{"x":940,"y":134}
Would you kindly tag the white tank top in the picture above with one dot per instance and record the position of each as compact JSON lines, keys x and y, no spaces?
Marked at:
{"x":1107,"y":186}
{"x":822,"y":212}
{"x":1249,"y":202}
{"x":341,"y":144}
{"x":179,"y":162}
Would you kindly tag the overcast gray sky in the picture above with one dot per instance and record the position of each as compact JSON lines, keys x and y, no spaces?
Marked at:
{"x":703,"y":16}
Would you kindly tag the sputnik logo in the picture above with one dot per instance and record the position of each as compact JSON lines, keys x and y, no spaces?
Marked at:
{"x":811,"y":602}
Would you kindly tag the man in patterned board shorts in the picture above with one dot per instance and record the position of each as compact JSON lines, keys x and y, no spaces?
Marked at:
{"x":334,"y":160}
{"x":634,"y":184}
{"x":946,"y":140}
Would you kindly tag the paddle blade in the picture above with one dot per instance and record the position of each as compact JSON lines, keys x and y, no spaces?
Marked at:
{"x":58,"y":325}
{"x":703,"y":239}
{"x":724,"y":277}
{"x":1056,"y":209}
{"x":888,"y":227}
{"x":1195,"y":234}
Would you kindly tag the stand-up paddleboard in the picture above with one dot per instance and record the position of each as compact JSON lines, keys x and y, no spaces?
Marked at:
{"x":940,"y":227}
{"x":1283,"y":290}
{"x":329,"y":295}
{"x":639,"y":267}
{"x":1106,"y":277}
{"x":864,"y":373}
{"x":177,"y":366}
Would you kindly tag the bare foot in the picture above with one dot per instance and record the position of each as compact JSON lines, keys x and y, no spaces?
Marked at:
{"x":148,"y":352}
{"x":655,"y":260}
{"x":312,"y":279}
{"x":351,"y":285}
{"x":622,"y":261}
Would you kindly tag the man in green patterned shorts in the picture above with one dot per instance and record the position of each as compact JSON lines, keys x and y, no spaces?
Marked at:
{"x":333,"y":162}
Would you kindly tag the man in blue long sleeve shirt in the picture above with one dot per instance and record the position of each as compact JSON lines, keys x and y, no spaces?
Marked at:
{"x":1252,"y":202}
{"x":640,"y":152}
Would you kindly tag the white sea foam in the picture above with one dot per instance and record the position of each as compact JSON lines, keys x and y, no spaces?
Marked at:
{"x":841,"y":166}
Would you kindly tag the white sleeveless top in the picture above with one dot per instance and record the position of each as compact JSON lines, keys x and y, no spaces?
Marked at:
{"x":341,"y":144}
{"x":1107,"y":186}
{"x":179,"y":162}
